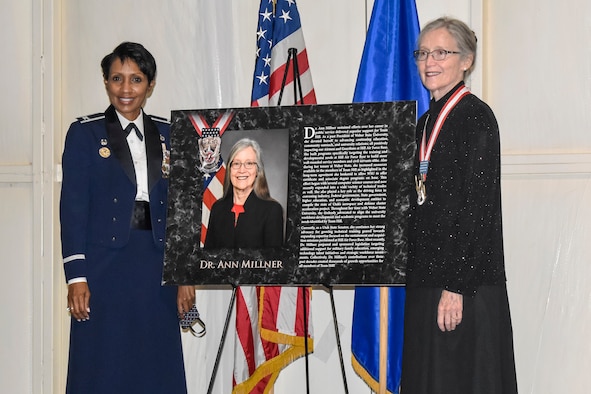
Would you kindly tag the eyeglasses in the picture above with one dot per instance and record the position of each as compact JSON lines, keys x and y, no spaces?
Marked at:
{"x":249,"y":165}
{"x":438,"y":54}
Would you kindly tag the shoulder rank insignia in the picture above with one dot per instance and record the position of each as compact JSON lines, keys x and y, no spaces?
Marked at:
{"x":159,"y":119}
{"x":91,"y":118}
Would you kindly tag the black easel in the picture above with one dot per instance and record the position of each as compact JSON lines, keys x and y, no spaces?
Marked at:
{"x":338,"y":337}
{"x":297,"y":89}
{"x":292,"y":56}
{"x":306,"y":353}
{"x":225,"y":333}
{"x":222,"y":340}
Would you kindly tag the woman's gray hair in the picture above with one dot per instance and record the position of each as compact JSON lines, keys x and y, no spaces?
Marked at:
{"x":464,"y":36}
{"x":260,"y":187}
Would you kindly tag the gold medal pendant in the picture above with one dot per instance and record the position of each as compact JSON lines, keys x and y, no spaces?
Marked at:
{"x":421,"y":189}
{"x":104,"y":152}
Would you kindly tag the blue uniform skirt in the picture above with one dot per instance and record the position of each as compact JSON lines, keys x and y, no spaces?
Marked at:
{"x":131,"y":344}
{"x":476,"y":358}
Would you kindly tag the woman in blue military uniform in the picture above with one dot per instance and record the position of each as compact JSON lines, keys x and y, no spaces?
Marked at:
{"x":124,"y":336}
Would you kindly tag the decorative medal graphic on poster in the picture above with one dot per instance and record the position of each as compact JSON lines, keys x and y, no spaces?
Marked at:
{"x":210,"y":141}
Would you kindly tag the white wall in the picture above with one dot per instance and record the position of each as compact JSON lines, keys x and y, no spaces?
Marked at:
{"x":26,"y":198}
{"x":538,"y":81}
{"x":50,"y":74}
{"x":16,"y":221}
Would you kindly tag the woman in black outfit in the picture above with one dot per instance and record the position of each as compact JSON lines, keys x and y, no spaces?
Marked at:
{"x":458,"y":336}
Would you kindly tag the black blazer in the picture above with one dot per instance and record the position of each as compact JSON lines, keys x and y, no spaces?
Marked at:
{"x":259,"y":226}
{"x":456,"y":237}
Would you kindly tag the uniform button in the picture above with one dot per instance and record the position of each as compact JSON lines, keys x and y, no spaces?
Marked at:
{"x":115,"y":200}
{"x":159,"y":220}
{"x":160,"y":239}
{"x":161,"y":202}
{"x":114,"y":219}
{"x":113,"y":239}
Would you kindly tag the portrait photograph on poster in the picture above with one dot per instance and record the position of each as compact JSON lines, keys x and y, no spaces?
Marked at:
{"x":293,"y":195}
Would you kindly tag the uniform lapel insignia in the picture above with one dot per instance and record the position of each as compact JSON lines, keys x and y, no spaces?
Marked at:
{"x":165,"y":161}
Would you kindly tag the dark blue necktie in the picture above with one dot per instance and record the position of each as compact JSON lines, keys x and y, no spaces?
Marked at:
{"x":132,"y":126}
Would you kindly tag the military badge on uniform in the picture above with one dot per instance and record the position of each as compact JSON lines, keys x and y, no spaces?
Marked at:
{"x":104,"y":152}
{"x":165,"y":160}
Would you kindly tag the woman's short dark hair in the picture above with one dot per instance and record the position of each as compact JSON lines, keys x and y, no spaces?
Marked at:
{"x":134,"y":51}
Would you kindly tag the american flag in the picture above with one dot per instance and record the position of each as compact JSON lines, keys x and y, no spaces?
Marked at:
{"x":279,"y":30}
{"x":270,"y":329}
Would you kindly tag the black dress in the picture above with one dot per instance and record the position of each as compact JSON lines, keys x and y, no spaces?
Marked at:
{"x":456,"y":244}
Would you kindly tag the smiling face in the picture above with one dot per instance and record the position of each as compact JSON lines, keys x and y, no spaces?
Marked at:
{"x":127,"y":87}
{"x":439,"y":77}
{"x":242,"y":178}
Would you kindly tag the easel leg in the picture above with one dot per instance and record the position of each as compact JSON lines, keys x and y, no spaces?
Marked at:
{"x":292,"y":57}
{"x":222,"y":340}
{"x":338,"y":338}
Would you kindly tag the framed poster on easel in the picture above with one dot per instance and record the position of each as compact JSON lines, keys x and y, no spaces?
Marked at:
{"x":342,"y":174}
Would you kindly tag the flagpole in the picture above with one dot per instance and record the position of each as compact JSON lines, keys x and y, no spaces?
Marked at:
{"x":305,"y":310}
{"x":383,"y":340}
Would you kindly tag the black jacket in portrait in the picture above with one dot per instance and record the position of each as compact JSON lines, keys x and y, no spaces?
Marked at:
{"x":259,"y":226}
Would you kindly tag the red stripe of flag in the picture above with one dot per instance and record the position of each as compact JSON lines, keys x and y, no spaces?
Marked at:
{"x":244,"y":330}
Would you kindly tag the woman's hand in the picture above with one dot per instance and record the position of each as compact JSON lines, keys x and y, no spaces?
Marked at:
{"x":79,"y":301}
{"x":185,"y":299}
{"x":449,"y":311}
